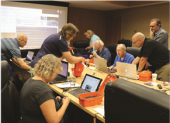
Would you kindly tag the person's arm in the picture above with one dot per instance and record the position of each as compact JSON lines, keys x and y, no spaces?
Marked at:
{"x":21,"y":63}
{"x":91,"y":46}
{"x":151,"y":34}
{"x":49,"y":110}
{"x":142,"y":63}
{"x":72,"y":59}
{"x":136,"y":60}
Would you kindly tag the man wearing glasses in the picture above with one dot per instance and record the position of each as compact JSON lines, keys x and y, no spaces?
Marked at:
{"x":10,"y":49}
{"x":122,"y":56}
{"x":153,"y":52}
{"x":157,"y":33}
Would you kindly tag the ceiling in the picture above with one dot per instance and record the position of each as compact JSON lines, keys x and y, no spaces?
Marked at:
{"x":109,"y":5}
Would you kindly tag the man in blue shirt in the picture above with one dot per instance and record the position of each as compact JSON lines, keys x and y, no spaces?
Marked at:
{"x":122,"y":56}
{"x":10,"y":50}
{"x":102,"y":52}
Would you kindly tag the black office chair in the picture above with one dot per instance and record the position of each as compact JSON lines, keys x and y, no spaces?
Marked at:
{"x":112,"y":49}
{"x":133,"y":50}
{"x":127,"y":102}
{"x":10,"y":109}
{"x":80,"y":47}
{"x":128,"y":43}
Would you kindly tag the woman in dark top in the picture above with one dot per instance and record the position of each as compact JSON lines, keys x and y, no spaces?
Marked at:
{"x":56,"y":44}
{"x":38,"y":103}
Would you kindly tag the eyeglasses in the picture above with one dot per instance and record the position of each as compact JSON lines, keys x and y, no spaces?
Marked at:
{"x":135,"y":42}
{"x":118,"y":50}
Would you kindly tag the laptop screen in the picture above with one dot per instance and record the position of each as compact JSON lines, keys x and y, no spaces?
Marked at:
{"x":91,"y":83}
{"x":65,"y":69}
{"x":30,"y":55}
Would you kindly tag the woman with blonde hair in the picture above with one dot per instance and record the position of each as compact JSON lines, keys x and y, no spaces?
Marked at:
{"x":92,"y":38}
{"x":37,"y":102}
{"x":56,"y":44}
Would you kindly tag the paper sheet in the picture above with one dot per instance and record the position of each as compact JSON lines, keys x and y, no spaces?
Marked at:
{"x":100,"y":110}
{"x":68,"y":85}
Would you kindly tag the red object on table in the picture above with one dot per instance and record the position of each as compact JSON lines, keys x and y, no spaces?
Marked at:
{"x":78,"y":69}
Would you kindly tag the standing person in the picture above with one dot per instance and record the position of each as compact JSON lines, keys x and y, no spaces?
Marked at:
{"x":122,"y":56}
{"x":56,"y":44}
{"x":10,"y":50}
{"x":153,"y":52}
{"x":102,"y":52}
{"x":157,"y":33}
{"x":92,"y":37}
{"x":37,"y":101}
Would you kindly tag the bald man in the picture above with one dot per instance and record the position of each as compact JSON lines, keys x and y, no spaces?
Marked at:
{"x":10,"y":49}
{"x":155,"y":53}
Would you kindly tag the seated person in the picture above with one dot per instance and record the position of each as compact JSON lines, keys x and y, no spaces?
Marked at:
{"x":102,"y":52}
{"x":122,"y":56}
{"x":37,"y":101}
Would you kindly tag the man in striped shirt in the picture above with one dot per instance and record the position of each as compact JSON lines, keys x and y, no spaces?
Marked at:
{"x":10,"y":50}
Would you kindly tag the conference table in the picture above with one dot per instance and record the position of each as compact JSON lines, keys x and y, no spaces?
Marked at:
{"x":90,"y":110}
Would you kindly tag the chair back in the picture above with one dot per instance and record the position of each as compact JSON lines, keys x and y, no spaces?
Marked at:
{"x":133,"y":50}
{"x":127,"y":102}
{"x":10,"y":109}
{"x":112,"y":49}
{"x":127,"y":43}
{"x":80,"y":44}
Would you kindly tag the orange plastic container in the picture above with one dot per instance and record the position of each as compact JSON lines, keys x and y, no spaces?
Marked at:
{"x":145,"y":75}
{"x":95,"y":98}
{"x":91,"y":61}
{"x":78,"y":69}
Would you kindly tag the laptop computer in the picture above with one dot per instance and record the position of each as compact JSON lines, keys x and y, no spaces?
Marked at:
{"x":29,"y":57}
{"x":101,"y":64}
{"x":126,"y":70}
{"x":89,"y":84}
{"x":62,"y":77}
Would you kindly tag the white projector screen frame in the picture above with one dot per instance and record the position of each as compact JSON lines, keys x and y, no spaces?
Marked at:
{"x":37,"y":21}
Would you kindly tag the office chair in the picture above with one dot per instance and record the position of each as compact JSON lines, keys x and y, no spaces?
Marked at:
{"x":133,"y":50}
{"x":128,"y":43}
{"x":112,"y":49}
{"x":79,"y":47}
{"x":127,"y":102}
{"x":10,"y":109}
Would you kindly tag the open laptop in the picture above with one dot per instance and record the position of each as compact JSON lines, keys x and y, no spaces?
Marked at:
{"x":126,"y":70}
{"x":89,"y":84}
{"x":62,"y":77}
{"x":101,"y":64}
{"x":29,"y":57}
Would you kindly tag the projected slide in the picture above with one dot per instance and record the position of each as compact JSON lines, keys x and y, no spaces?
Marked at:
{"x":37,"y":24}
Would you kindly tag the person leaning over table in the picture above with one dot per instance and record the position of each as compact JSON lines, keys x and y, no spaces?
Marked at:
{"x":37,"y":101}
{"x":122,"y":56}
{"x":102,"y":52}
{"x":56,"y":44}
{"x":155,"y":53}
{"x":10,"y":50}
{"x":92,"y":37}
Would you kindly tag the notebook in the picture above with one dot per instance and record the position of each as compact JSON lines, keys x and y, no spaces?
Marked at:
{"x":62,"y":77}
{"x":89,"y":84}
{"x":126,"y":70}
{"x":101,"y":64}
{"x":29,"y":57}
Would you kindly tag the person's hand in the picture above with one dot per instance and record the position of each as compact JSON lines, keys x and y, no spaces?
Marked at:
{"x":91,"y":56}
{"x":86,"y":48}
{"x":138,"y":72}
{"x":82,"y":59}
{"x":111,"y":67}
{"x":94,"y":54}
{"x":58,"y":98}
{"x":151,"y":33}
{"x":66,"y":100}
